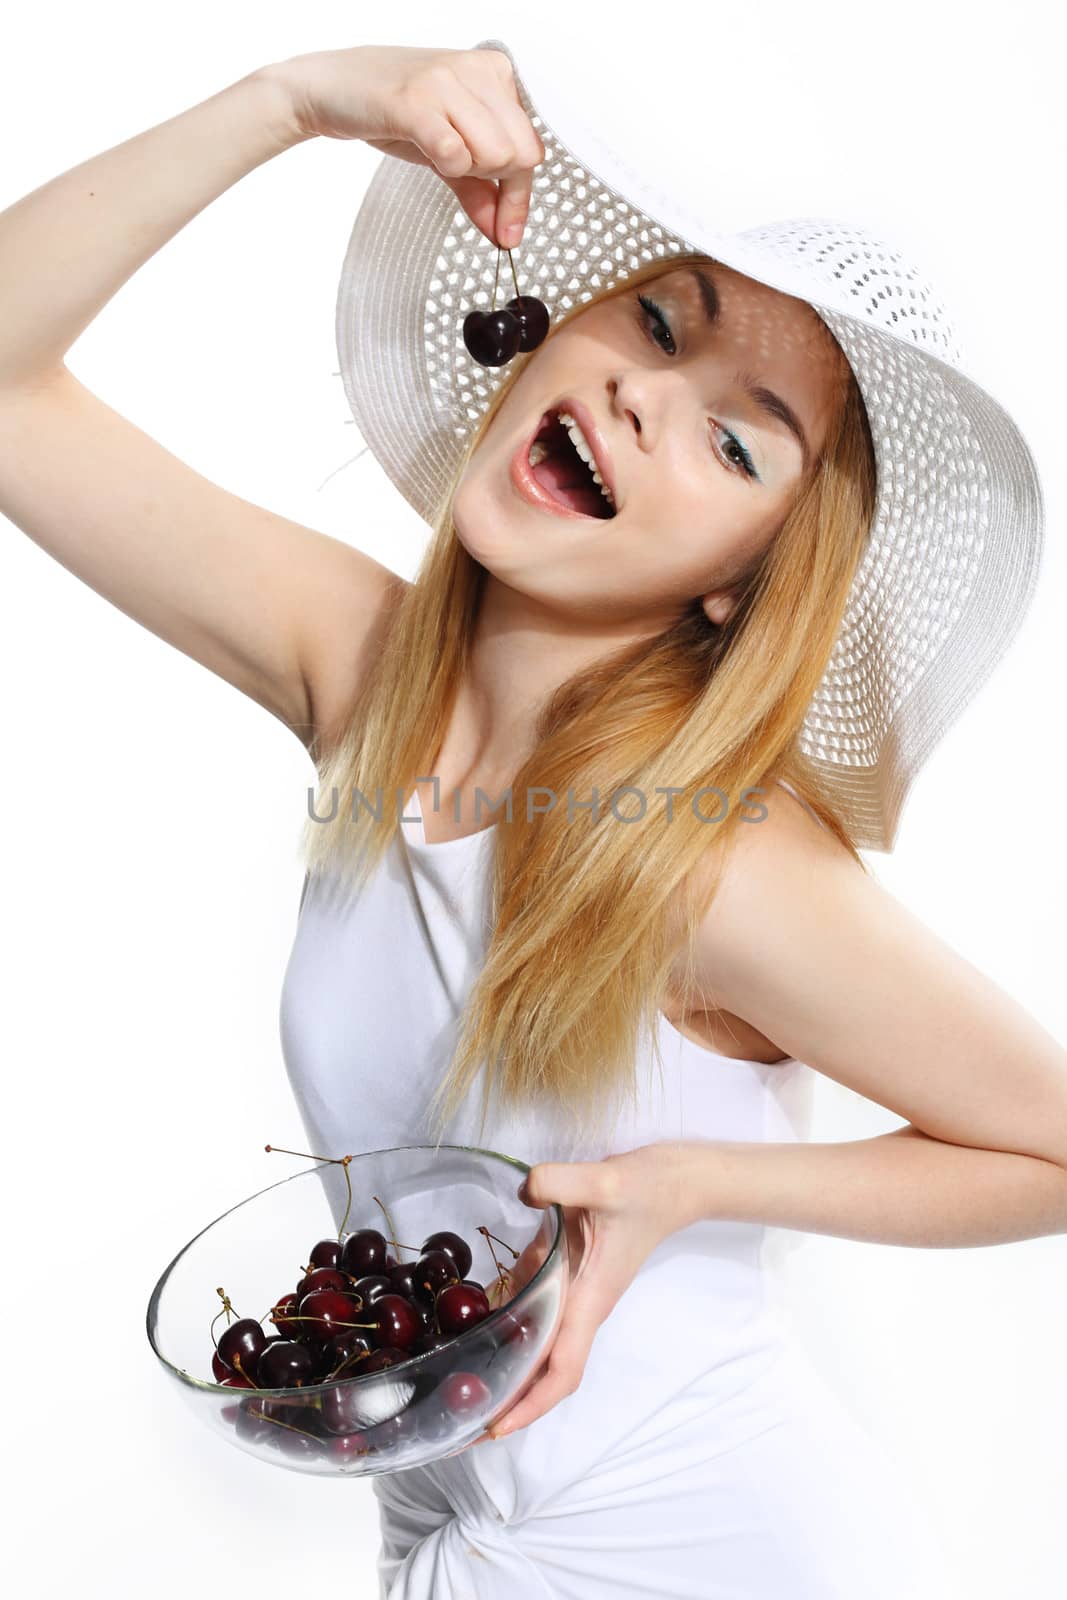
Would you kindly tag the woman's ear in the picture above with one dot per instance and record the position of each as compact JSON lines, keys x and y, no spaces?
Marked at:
{"x":718,"y":606}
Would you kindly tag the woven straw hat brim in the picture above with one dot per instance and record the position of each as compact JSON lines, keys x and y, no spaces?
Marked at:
{"x":956,"y":542}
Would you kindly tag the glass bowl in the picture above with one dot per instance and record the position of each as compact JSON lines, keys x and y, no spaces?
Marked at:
{"x":422,"y":1409}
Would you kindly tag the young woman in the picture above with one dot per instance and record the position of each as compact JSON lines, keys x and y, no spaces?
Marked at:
{"x":600,"y":983}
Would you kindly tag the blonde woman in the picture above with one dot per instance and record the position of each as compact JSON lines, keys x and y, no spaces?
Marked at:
{"x":701,"y":680}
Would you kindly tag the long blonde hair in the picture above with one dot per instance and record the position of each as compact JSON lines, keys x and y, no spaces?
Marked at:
{"x":586,"y":922}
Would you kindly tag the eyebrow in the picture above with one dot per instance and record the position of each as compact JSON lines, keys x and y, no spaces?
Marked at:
{"x":770,"y":403}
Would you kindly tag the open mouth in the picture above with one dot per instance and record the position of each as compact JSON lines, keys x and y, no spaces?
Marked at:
{"x":563,"y":472}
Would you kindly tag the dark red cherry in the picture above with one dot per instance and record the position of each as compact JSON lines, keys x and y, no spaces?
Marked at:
{"x":282,"y":1310}
{"x":402,"y":1276}
{"x":329,"y":1311}
{"x":435,"y":1422}
{"x":462,"y":1392}
{"x":244,"y":1338}
{"x":517,"y":1330}
{"x":384,"y":1435}
{"x":287,"y":1365}
{"x":452,"y":1244}
{"x":347,"y":1347}
{"x":327,"y":1253}
{"x":380,"y":1359}
{"x":282,"y":1410}
{"x":348,"y":1446}
{"x":458,"y":1306}
{"x":397,"y":1324}
{"x":300,"y":1445}
{"x":433,"y":1271}
{"x":321,"y":1278}
{"x":363,"y":1252}
{"x":492,"y":337}
{"x":322,"y":1362}
{"x":219,"y":1369}
{"x":429,"y":1342}
{"x":532,"y":317}
{"x":253,"y":1427}
{"x":369,"y":1290}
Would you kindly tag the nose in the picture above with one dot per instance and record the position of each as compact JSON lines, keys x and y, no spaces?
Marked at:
{"x":624,"y":403}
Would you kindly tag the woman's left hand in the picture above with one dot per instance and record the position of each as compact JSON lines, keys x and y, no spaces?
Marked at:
{"x":617,"y":1211}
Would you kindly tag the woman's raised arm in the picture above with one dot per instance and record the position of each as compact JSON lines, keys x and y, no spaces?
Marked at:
{"x":236,"y":587}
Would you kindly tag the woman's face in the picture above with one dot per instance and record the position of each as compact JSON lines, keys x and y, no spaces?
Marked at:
{"x":676,"y":429}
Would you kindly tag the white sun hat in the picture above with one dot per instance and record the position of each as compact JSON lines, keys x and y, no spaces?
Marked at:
{"x":955,"y":545}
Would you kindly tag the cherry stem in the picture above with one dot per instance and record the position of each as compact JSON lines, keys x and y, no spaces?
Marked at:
{"x":348,"y":1207}
{"x":514,"y":279}
{"x":503,"y":1242}
{"x":501,"y":1272}
{"x":332,"y":1161}
{"x":337,"y":1324}
{"x":389,"y":1225}
{"x":349,"y":1361}
{"x":239,"y":1368}
{"x":278,"y":1149}
{"x":496,"y":279}
{"x":227,"y":1308}
{"x":278,"y":1423}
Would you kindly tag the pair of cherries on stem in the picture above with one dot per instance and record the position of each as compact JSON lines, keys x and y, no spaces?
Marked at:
{"x":493,"y":337}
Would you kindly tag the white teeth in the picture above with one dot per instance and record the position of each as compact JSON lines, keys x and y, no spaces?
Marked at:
{"x":539,"y":451}
{"x":579,"y":441}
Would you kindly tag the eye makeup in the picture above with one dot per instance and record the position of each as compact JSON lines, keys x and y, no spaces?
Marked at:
{"x":653,"y":320}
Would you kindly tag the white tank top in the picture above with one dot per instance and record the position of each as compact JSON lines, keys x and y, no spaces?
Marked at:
{"x":367,"y":1030}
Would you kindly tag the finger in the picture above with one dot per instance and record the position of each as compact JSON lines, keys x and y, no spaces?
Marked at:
{"x":478,"y":197}
{"x":440,"y":141}
{"x":571,"y":1183}
{"x":516,"y":186}
{"x":566,"y":1363}
{"x":488,"y":142}
{"x":556,"y":1385}
{"x":500,"y":94}
{"x":513,"y":208}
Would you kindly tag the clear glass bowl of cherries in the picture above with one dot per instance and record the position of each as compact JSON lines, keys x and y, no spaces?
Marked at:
{"x":410,"y":1296}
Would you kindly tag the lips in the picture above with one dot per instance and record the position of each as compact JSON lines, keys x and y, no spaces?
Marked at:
{"x":535,"y":492}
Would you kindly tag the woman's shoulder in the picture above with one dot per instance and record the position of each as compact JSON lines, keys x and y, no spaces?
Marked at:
{"x":779,"y":828}
{"x":771,"y":883}
{"x":789,"y":827}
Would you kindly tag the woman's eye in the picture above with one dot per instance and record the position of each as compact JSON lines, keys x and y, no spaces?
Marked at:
{"x":654,"y":322}
{"x":744,"y":461}
{"x":659,"y":320}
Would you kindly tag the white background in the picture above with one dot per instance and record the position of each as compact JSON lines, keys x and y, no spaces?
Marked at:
{"x":151,"y":814}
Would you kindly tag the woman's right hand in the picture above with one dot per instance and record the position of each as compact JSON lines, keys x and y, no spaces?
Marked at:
{"x":456,"y":111}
